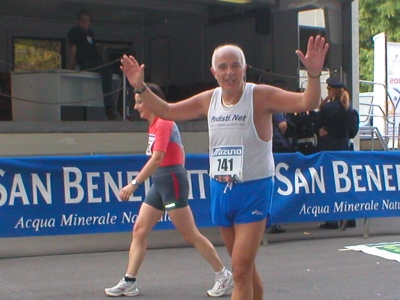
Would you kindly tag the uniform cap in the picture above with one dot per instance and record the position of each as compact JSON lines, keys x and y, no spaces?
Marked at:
{"x":334,"y":83}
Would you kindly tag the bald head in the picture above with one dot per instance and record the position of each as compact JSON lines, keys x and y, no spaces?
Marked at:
{"x":229,"y":48}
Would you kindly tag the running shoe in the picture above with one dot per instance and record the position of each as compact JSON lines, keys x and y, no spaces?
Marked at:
{"x":222,"y":283}
{"x":123,"y":288}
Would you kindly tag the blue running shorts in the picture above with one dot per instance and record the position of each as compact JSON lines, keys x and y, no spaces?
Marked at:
{"x":240,"y":203}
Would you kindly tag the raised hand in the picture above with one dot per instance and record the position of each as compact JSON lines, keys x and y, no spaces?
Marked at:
{"x":314,"y":59}
{"x":133,"y":71}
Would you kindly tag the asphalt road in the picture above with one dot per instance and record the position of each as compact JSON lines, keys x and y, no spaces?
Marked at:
{"x":305,"y":263}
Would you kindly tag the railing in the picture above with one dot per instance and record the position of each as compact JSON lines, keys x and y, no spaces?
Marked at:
{"x":372,"y":133}
{"x":368,"y":131}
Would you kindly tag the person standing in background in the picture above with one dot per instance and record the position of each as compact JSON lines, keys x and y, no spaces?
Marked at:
{"x":332,"y":124}
{"x":334,"y":117}
{"x":281,"y":143}
{"x":83,"y":52}
{"x":304,"y":138}
{"x":283,"y":130}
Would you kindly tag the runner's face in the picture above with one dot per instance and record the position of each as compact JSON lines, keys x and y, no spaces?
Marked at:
{"x":229,"y":71}
{"x":141,"y":107}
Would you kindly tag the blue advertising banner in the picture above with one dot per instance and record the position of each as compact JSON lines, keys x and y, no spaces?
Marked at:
{"x":336,"y":185}
{"x":42,"y":196}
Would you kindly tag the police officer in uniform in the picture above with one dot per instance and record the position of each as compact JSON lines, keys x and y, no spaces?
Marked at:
{"x":332,"y":124}
{"x":304,"y":139}
{"x":334,"y":118}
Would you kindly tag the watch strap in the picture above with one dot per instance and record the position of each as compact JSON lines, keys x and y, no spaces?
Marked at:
{"x":140,"y":91}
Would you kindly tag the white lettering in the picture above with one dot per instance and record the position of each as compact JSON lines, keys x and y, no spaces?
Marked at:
{"x":68,"y":185}
{"x":91,"y":187}
{"x":165,"y":217}
{"x":18,"y":190}
{"x":314,"y":179}
{"x":357,"y":178}
{"x":390,"y":205}
{"x":129,"y":217}
{"x":375,"y":178}
{"x":225,"y":152}
{"x":279,"y":176}
{"x":388,"y":177}
{"x":3,"y":191}
{"x":317,"y":179}
{"x":37,"y":185}
{"x":35,"y":224}
{"x":200,"y":180}
{"x":314,"y":210}
{"x":300,"y":181}
{"x":75,"y":220}
{"x":344,"y":206}
{"x":110,"y":183}
{"x":343,"y":175}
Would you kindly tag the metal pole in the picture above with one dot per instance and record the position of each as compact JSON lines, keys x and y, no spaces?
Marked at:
{"x":124,"y":97}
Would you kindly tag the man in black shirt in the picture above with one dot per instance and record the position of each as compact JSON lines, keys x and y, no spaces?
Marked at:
{"x":83,"y":52}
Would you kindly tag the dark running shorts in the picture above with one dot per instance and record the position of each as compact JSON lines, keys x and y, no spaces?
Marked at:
{"x":170,"y":189}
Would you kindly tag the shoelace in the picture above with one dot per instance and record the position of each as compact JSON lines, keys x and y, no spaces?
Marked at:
{"x":228,"y":186}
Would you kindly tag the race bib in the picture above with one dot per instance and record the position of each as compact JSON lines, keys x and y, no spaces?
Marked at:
{"x":227,"y":163}
{"x":150,"y":143}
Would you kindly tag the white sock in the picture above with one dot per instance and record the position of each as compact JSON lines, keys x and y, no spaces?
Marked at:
{"x":221,"y":273}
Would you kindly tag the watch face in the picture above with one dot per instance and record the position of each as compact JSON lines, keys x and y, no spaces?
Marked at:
{"x":134,"y":182}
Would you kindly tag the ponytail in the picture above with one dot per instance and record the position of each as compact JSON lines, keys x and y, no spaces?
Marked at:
{"x":345,"y":99}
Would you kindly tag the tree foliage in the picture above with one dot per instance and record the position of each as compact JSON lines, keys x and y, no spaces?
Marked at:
{"x":376,"y":16}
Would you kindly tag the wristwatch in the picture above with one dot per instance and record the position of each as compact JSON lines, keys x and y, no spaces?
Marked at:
{"x":135,"y":183}
{"x":140,"y":91}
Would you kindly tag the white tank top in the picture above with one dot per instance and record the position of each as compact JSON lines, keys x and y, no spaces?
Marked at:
{"x":237,"y":154}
